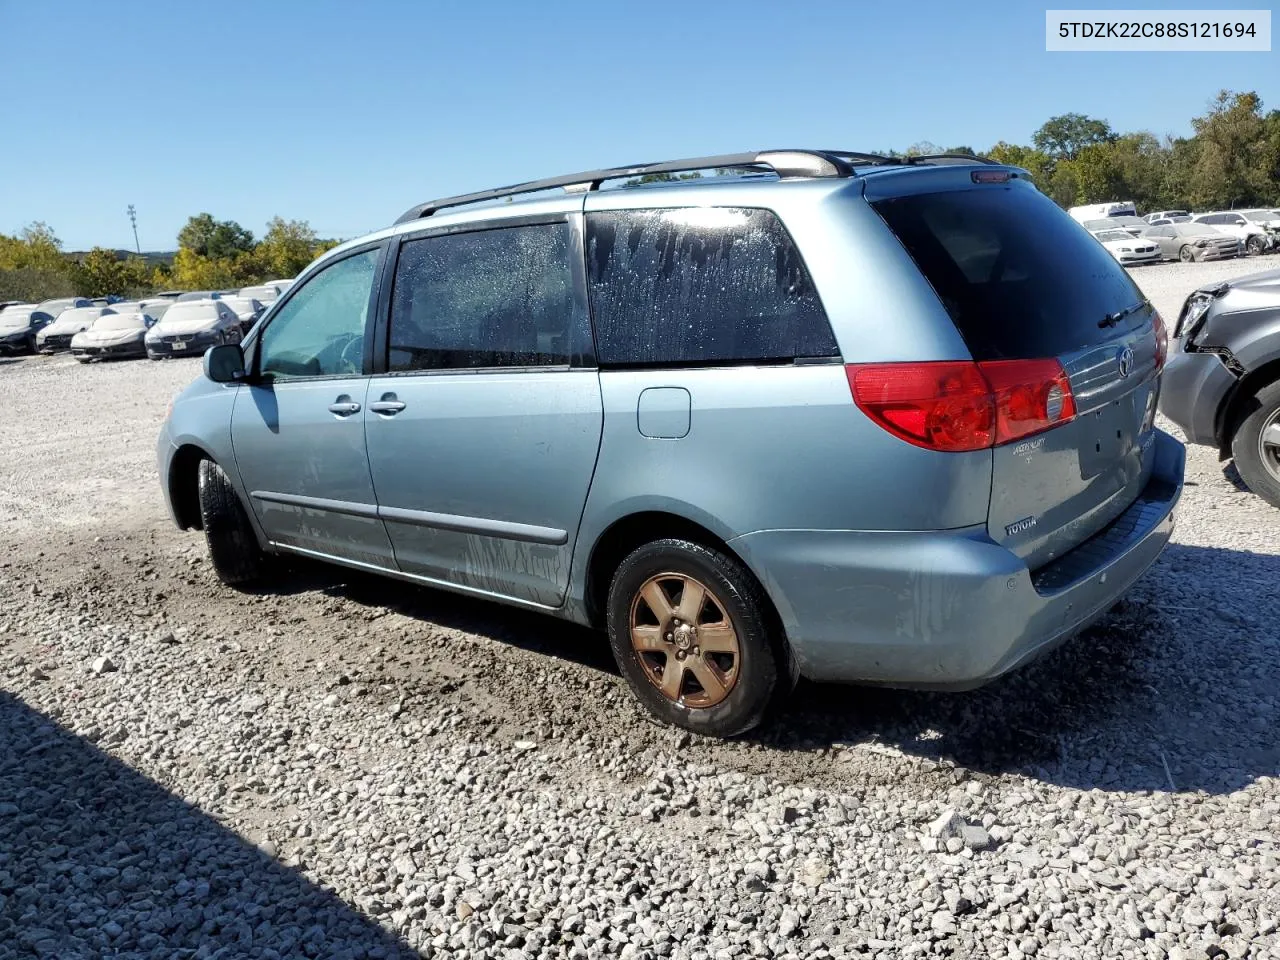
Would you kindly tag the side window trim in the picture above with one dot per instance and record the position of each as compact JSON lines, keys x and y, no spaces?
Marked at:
{"x":255,"y":373}
{"x":582,"y":342}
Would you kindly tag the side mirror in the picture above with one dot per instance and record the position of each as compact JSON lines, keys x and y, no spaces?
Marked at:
{"x":224,"y":363}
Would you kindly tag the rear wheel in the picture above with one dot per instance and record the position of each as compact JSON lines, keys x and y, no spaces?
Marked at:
{"x":692,"y":633}
{"x":1256,"y":445}
{"x":1255,"y":245}
{"x":1186,"y":254}
{"x":233,"y":547}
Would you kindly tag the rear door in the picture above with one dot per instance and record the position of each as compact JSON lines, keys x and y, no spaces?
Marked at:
{"x":484,"y":425}
{"x":1021,"y":281}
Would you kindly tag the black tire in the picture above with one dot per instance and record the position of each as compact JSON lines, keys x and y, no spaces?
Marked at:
{"x":736,"y":596}
{"x":237,"y":559}
{"x":1255,"y":245}
{"x":1262,"y":479}
{"x":1186,"y":254}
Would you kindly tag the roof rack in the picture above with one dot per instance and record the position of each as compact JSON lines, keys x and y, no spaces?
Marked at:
{"x":787,"y":164}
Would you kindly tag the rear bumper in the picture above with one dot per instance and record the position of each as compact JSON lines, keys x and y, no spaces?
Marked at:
{"x":1193,"y":389}
{"x":950,"y":609}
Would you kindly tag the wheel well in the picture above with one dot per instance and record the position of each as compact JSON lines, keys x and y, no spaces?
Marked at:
{"x":1240,"y":402}
{"x":634,"y":531}
{"x":184,"y":486}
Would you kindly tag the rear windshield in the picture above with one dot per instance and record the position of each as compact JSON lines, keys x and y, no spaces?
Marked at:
{"x":1019,"y":277}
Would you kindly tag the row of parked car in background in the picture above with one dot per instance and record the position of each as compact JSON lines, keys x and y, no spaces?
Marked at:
{"x":170,"y":324}
{"x":1179,"y":234}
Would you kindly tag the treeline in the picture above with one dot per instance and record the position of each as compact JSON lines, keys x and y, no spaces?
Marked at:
{"x":1232,"y":160}
{"x":212,"y":255}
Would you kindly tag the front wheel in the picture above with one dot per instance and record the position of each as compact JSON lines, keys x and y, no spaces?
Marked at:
{"x":692,"y":632}
{"x":1255,"y":245}
{"x":233,"y":548}
{"x":1256,"y":445}
{"x":1186,"y":254}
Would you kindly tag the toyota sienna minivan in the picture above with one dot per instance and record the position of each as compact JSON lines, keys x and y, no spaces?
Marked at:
{"x":810,"y":413}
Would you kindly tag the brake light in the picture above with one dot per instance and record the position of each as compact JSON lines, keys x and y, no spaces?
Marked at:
{"x":1162,"y":339}
{"x":962,"y":405}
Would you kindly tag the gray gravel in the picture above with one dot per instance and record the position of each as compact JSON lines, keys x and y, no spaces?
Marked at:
{"x":350,"y":767}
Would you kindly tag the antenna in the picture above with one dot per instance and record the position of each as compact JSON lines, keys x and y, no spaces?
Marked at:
{"x":133,"y":219}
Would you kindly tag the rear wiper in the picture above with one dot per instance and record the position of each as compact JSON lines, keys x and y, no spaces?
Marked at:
{"x":1111,"y":319}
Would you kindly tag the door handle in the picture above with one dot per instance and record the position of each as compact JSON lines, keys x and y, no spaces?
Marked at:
{"x":344,"y":407}
{"x":388,"y":405}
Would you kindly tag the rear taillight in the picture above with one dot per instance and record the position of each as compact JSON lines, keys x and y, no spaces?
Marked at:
{"x":963,"y":405}
{"x":1030,"y":396}
{"x":1162,"y":339}
{"x":940,"y":406}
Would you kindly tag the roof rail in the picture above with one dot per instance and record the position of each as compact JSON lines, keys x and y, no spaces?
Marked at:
{"x":785,"y":163}
{"x":952,"y":157}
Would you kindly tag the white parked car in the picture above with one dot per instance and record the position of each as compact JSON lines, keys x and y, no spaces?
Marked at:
{"x":1101,"y":211}
{"x":114,"y":336}
{"x":1130,"y":225}
{"x":266,"y":293}
{"x":1171,"y":215}
{"x":191,"y":327}
{"x":1268,"y":220}
{"x":57,"y":335}
{"x":1129,"y":249}
{"x":1255,"y":237}
{"x":248,"y":309}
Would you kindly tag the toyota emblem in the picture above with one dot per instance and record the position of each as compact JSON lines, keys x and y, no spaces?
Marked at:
{"x":1125,"y":361}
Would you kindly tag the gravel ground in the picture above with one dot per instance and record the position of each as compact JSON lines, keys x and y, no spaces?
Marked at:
{"x":347,"y":767}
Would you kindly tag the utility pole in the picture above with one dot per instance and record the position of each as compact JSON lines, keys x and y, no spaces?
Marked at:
{"x":133,"y":219}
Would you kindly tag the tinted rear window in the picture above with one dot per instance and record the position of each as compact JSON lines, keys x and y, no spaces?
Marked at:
{"x":701,"y":285}
{"x":1019,"y":277}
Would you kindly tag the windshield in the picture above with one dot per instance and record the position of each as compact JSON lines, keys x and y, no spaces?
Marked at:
{"x":120,"y":321}
{"x":1093,"y":226}
{"x":1017,"y":276}
{"x":260,"y":293}
{"x":1193,"y":229}
{"x":1112,"y":235}
{"x":85,"y":315}
{"x":1130,"y":221}
{"x":1260,"y":216}
{"x":196,"y":295}
{"x":16,"y":316}
{"x":189,"y":312}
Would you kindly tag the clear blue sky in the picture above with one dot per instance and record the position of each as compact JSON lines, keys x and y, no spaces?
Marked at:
{"x":345,"y":113}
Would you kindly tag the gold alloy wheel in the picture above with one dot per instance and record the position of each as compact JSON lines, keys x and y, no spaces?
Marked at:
{"x":684,"y":640}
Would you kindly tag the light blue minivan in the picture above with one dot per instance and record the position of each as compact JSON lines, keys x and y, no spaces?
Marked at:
{"x":757,"y":416}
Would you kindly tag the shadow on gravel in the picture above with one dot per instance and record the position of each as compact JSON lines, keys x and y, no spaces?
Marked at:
{"x":536,"y":632}
{"x":97,"y":860}
{"x":1185,"y":674}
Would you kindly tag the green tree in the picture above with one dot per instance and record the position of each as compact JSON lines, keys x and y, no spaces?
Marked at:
{"x":32,"y":265}
{"x":217,"y":239}
{"x":1036,"y":162}
{"x":287,"y":247}
{"x":1064,"y":136}
{"x":101,"y":273}
{"x":1236,"y":155}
